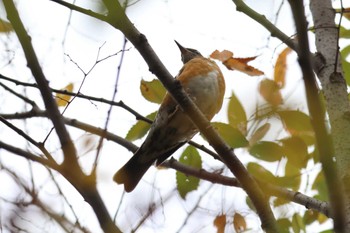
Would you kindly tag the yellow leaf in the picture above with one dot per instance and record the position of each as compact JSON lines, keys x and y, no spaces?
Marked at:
{"x":280,"y":67}
{"x":5,"y":26}
{"x":270,"y":91}
{"x":321,"y":218}
{"x":239,"y":223}
{"x":63,"y":99}
{"x":152,"y":91}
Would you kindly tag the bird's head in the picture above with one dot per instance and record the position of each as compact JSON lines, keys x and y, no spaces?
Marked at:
{"x":187,"y":54}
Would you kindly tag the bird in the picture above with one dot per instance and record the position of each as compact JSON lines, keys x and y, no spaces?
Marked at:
{"x":203,"y":81}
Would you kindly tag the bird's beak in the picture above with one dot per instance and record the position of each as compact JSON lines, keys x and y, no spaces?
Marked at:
{"x":182,"y":49}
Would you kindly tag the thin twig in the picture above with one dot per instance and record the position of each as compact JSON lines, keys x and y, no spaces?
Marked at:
{"x":100,"y":143}
{"x":34,"y":65}
{"x":28,"y":138}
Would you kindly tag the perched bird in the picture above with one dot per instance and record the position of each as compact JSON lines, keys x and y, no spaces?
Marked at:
{"x":203,"y":81}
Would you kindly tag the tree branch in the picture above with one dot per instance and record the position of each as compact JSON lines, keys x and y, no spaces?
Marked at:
{"x":29,"y":156}
{"x":261,"y":19}
{"x":81,"y":10}
{"x":119,"y":20}
{"x":269,"y":189}
{"x":323,"y":140}
{"x":40,"y":146}
{"x":33,"y":64}
{"x":70,"y":168}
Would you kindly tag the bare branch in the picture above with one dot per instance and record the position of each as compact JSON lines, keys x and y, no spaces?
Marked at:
{"x":110,"y":107}
{"x":81,"y":10}
{"x":33,"y":64}
{"x":28,"y":138}
{"x":30,"y":156}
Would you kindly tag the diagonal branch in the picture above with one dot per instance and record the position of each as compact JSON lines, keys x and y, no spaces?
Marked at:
{"x":116,"y":17}
{"x":70,"y":168}
{"x":33,"y":64}
{"x":40,"y":146}
{"x":261,"y":19}
{"x":120,"y":21}
{"x":324,"y":142}
{"x":29,"y":156}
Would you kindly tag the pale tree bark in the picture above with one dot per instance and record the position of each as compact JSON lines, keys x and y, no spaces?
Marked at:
{"x":334,"y":89}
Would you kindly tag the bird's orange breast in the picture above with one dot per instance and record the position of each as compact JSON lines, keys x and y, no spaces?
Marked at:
{"x":203,"y":81}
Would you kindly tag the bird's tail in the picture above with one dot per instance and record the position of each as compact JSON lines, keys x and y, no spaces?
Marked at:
{"x":132,"y":172}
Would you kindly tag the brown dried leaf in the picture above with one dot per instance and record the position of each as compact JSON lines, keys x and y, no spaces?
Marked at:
{"x":220,"y":223}
{"x":239,"y":223}
{"x":221,"y":56}
{"x":240,"y":64}
{"x":234,"y":63}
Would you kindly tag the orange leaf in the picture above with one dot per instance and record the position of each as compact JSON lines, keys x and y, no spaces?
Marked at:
{"x":240,"y":64}
{"x":270,"y":91}
{"x":239,"y":223}
{"x":220,"y":223}
{"x":280,"y":67}
{"x":245,"y":59}
{"x":221,"y":56}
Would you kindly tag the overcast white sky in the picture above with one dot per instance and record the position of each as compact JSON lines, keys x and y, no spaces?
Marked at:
{"x":205,"y":25}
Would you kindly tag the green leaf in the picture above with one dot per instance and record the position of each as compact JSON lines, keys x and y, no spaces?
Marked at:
{"x":152,"y":91}
{"x":259,"y":133}
{"x":232,"y":136}
{"x":267,"y":151}
{"x":297,"y":223}
{"x":236,"y":115}
{"x":295,"y":149}
{"x":292,"y":178}
{"x":284,"y":224}
{"x":298,"y":124}
{"x":140,"y":129}
{"x":310,"y":216}
{"x":346,"y":65}
{"x":344,"y":33}
{"x":186,"y":184}
{"x":280,"y":201}
{"x":328,"y":231}
{"x":321,"y":218}
{"x":320,"y":185}
{"x":250,"y":203}
{"x":260,"y":173}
